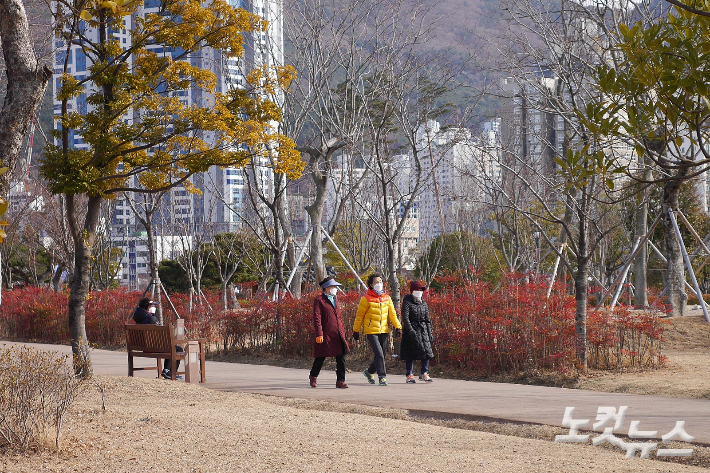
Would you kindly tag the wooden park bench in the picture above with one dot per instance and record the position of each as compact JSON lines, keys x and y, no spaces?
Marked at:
{"x":156,"y":341}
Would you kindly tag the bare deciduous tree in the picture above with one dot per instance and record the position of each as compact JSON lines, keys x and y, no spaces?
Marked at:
{"x":550,"y":52}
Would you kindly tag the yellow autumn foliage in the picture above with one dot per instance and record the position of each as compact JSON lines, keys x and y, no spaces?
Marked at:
{"x":139,"y":122}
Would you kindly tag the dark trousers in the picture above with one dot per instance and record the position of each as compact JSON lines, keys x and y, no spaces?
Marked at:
{"x":377,"y":343}
{"x":410,"y":366}
{"x":339,"y":367}
{"x":166,"y":363}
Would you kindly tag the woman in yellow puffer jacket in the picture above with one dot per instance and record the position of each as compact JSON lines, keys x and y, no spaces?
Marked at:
{"x":374,"y":313}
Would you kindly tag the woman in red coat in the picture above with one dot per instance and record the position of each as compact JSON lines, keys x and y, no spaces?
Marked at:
{"x":330,"y":333}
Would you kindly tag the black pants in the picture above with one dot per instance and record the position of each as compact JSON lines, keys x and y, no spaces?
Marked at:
{"x":339,"y":367}
{"x":166,"y":363}
{"x":377,"y":343}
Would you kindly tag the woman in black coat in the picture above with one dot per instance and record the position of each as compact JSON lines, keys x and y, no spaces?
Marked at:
{"x":417,"y":337}
{"x":330,"y":333}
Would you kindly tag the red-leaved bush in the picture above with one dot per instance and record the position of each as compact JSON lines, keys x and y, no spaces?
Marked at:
{"x":514,"y":328}
{"x":38,"y":314}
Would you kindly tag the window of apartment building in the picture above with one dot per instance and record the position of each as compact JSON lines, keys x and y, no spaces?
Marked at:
{"x":61,"y":56}
{"x":80,"y":61}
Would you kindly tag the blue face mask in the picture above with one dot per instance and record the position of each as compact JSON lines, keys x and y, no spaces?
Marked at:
{"x":331,"y":299}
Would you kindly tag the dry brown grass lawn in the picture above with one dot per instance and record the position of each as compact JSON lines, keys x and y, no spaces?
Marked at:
{"x":686,"y":373}
{"x":155,"y":425}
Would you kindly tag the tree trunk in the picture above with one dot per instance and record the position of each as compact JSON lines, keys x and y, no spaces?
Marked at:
{"x":233,"y":296}
{"x":394,"y":274}
{"x":278,"y":265}
{"x":198,"y":279}
{"x":580,"y":318}
{"x":315,"y":214}
{"x":580,"y":286}
{"x":264,"y":284}
{"x":26,"y":83}
{"x":224,"y":295}
{"x":285,"y":217}
{"x":675,"y":271}
{"x":56,"y":278}
{"x":83,"y":243}
{"x":640,"y":299}
{"x":561,"y":269}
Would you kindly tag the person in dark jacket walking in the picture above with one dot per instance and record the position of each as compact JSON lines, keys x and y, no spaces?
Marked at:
{"x":417,"y":337}
{"x":330,"y":333}
{"x":145,"y":314}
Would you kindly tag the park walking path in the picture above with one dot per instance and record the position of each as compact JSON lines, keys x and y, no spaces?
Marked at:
{"x":471,"y":400}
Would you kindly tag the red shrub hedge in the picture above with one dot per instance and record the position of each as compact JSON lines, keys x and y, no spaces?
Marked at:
{"x":484,"y":331}
{"x":38,"y":314}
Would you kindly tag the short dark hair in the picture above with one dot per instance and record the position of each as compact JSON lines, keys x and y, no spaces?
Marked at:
{"x":144,"y":302}
{"x":372,"y":277}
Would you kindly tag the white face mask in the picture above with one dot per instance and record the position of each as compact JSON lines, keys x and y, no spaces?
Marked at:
{"x":417,"y":294}
{"x":152,"y":310}
{"x":377,"y":287}
{"x":333,"y":290}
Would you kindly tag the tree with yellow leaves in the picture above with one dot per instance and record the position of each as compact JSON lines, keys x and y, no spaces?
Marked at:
{"x":140,"y":133}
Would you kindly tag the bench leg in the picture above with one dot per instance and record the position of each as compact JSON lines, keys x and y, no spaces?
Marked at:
{"x":130,"y":366}
{"x":160,"y":364}
{"x":203,"y":377}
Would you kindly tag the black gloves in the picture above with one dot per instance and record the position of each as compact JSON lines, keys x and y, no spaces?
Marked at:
{"x":397,"y":332}
{"x":356,"y":335}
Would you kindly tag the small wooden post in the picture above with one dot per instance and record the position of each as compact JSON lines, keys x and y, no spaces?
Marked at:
{"x":192,"y":362}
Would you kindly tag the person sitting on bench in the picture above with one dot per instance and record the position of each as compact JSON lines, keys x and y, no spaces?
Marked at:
{"x":145,"y":314}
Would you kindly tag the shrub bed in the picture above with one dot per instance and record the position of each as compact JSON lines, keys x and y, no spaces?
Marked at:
{"x":478,"y":329}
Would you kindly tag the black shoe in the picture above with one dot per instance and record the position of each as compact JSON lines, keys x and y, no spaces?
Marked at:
{"x":167,"y":374}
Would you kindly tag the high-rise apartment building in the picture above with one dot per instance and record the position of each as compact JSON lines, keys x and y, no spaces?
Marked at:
{"x":531,"y":130}
{"x":221,"y":197}
{"x":459,"y":165}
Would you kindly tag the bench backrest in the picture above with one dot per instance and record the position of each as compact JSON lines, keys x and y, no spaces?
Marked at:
{"x":150,"y":338}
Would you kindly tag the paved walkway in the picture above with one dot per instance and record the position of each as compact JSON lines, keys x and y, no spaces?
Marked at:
{"x":467,"y":399}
